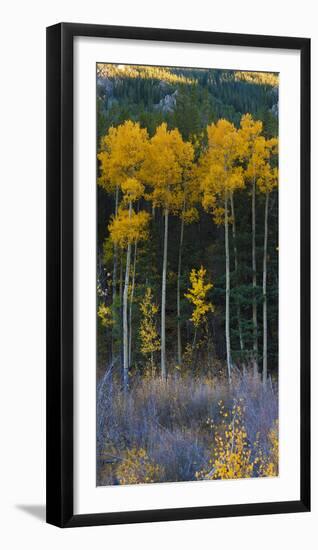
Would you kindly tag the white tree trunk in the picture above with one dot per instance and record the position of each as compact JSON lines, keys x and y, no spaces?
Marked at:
{"x":163,"y":298}
{"x":255,"y":328}
{"x":178,"y":294}
{"x":125,"y":312}
{"x":115,"y":272}
{"x":227,"y":290}
{"x":121,"y":308}
{"x":131,"y":304}
{"x":238,"y":308}
{"x":265,"y":291}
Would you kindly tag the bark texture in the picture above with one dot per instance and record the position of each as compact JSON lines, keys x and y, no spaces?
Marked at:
{"x":163,"y":297}
{"x":125,"y":313}
{"x":254,"y":315}
{"x":265,"y":291}
{"x":227,"y":291}
{"x":178,"y":294}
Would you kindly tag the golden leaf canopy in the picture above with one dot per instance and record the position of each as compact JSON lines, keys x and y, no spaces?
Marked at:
{"x":168,"y":163}
{"x":123,"y":151}
{"x":128,"y":227}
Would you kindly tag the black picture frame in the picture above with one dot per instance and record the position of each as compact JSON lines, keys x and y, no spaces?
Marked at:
{"x":60,"y":238}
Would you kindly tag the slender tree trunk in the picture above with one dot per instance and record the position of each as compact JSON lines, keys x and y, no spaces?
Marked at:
{"x":238,"y":307}
{"x":115,"y":252}
{"x":115,"y":274}
{"x":131,"y":304}
{"x":265,"y":291}
{"x":178,"y":293}
{"x":227,"y":290}
{"x":255,"y":328}
{"x":194,"y":349}
{"x":125,"y":312}
{"x":163,"y":298}
{"x":121,"y":309}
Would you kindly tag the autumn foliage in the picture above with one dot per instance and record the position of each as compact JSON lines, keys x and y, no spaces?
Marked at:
{"x":187,"y":280}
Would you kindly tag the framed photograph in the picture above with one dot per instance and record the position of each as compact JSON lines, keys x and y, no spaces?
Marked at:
{"x":178,"y":275}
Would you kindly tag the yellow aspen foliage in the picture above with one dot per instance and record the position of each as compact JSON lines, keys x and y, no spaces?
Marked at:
{"x":191,"y":195}
{"x":161,"y":74}
{"x":272,"y":466}
{"x":190,"y":215}
{"x":136,"y":467}
{"x":268,"y":175}
{"x":219,"y":215}
{"x":269,"y":79}
{"x":233,"y":456}
{"x":268,"y":179}
{"x":257,"y":159}
{"x":255,"y":148}
{"x":268,"y":464}
{"x":132,"y":190}
{"x":122,"y":153}
{"x":128,"y":227}
{"x":149,"y":337}
{"x":250,"y":129}
{"x":220,"y":174}
{"x":105,"y":314}
{"x":197,"y":295}
{"x":221,"y":177}
{"x":169,"y":160}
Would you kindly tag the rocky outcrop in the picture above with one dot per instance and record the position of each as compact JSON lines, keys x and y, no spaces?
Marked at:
{"x":167,"y":103}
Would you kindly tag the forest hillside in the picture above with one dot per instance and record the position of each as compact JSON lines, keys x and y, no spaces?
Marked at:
{"x":187,"y":274}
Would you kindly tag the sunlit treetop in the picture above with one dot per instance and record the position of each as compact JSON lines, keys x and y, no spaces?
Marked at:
{"x":220,"y":174}
{"x":105,"y":70}
{"x":123,"y":151}
{"x":269,"y":79}
{"x":260,"y":152}
{"x":268,"y":175}
{"x":167,"y":164}
{"x":250,"y":129}
{"x":257,"y":158}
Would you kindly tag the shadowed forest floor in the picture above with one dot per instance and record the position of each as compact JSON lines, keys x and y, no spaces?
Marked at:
{"x":185,"y":429}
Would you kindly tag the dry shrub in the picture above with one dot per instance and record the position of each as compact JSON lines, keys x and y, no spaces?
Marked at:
{"x":171,"y":422}
{"x":234,"y":455}
{"x":136,"y":467}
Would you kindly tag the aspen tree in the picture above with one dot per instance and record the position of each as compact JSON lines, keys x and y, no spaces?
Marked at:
{"x":149,"y":337}
{"x":111,"y":187}
{"x":128,"y":227}
{"x":131,"y":301}
{"x":267,"y":181}
{"x":220,"y":178}
{"x":168,"y":159}
{"x":254,"y":154}
{"x":238,"y":307}
{"x":189,"y":214}
{"x":197,"y":296}
{"x":123,"y":151}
